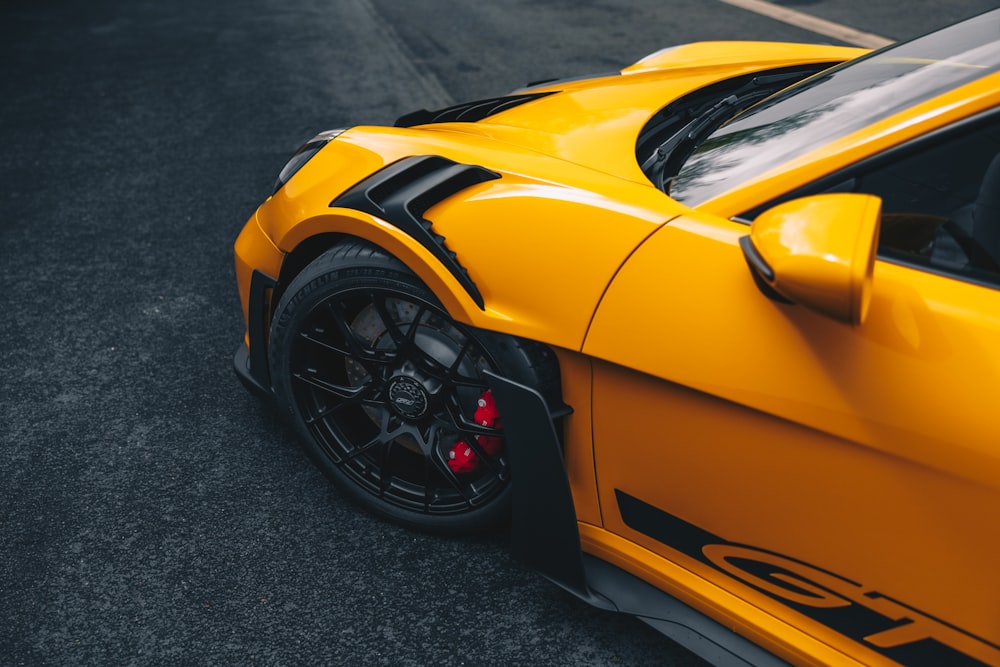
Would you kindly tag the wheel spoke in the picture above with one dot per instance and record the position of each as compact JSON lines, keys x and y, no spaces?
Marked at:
{"x":363,"y":355}
{"x":390,"y":428}
{"x":453,"y":369}
{"x":310,"y":338}
{"x":438,"y":463}
{"x":461,"y":425}
{"x":498,"y":469}
{"x":403,"y":340}
{"x":358,"y":451}
{"x":453,"y":374}
{"x":384,"y":470}
{"x":347,"y":393}
{"x":325,"y":413}
{"x":467,"y":381}
{"x":428,"y":489}
{"x":457,"y":379}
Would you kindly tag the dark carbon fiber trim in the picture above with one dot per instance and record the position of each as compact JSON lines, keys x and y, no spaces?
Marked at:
{"x":400,"y":194}
{"x":545,"y":536}
{"x":468,"y":112}
{"x":251,"y":365}
{"x":544,"y":533}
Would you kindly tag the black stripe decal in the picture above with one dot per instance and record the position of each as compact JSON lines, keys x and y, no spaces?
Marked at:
{"x":877,"y":622}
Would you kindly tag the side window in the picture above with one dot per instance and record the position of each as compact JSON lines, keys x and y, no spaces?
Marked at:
{"x":940,"y":204}
{"x":940,"y":201}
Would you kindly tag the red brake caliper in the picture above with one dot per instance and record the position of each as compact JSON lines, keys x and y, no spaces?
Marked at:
{"x":461,"y":458}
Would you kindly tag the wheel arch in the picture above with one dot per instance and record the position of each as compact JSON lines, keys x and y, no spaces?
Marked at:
{"x":314,"y":236}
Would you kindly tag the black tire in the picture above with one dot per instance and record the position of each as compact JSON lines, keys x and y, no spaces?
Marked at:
{"x":383,"y":386}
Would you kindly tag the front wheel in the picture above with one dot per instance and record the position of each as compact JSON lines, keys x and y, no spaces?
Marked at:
{"x":388,"y":394}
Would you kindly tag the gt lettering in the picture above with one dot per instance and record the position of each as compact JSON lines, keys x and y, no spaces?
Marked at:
{"x":883,"y":625}
{"x":801,"y":584}
{"x":798,"y":589}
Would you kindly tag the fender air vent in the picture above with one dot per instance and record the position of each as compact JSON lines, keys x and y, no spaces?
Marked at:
{"x":400,"y":194}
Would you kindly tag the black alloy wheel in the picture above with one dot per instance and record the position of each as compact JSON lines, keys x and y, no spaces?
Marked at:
{"x":388,"y":392}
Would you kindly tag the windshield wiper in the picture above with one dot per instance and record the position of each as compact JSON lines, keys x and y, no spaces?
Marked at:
{"x":655,"y":165}
{"x":668,"y":157}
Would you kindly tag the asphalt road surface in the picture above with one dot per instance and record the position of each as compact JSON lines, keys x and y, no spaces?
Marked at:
{"x":151,"y":512}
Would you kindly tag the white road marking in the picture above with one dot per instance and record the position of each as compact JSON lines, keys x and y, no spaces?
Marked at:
{"x":432,"y":93}
{"x":812,"y":23}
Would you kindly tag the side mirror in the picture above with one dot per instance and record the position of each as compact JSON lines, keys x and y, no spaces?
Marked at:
{"x":818,"y":252}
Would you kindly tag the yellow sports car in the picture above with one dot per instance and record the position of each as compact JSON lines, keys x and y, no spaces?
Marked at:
{"x":718,"y":334}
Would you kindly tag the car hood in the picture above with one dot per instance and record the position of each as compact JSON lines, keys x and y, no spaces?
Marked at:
{"x":570,"y":193}
{"x":595,"y":122}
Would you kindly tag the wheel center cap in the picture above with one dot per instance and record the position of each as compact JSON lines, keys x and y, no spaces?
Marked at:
{"x":407,"y":397}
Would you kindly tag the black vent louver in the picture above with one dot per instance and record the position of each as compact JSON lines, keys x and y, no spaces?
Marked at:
{"x":467,"y":112}
{"x":400,"y":194}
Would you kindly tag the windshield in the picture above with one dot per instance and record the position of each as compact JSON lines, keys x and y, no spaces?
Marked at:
{"x":837,"y":102}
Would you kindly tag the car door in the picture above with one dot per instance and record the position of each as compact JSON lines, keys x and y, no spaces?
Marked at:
{"x":843,"y":479}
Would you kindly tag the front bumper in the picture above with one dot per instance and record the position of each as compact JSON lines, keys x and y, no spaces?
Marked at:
{"x":241,"y":364}
{"x":257,"y":260}
{"x":250,"y":362}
